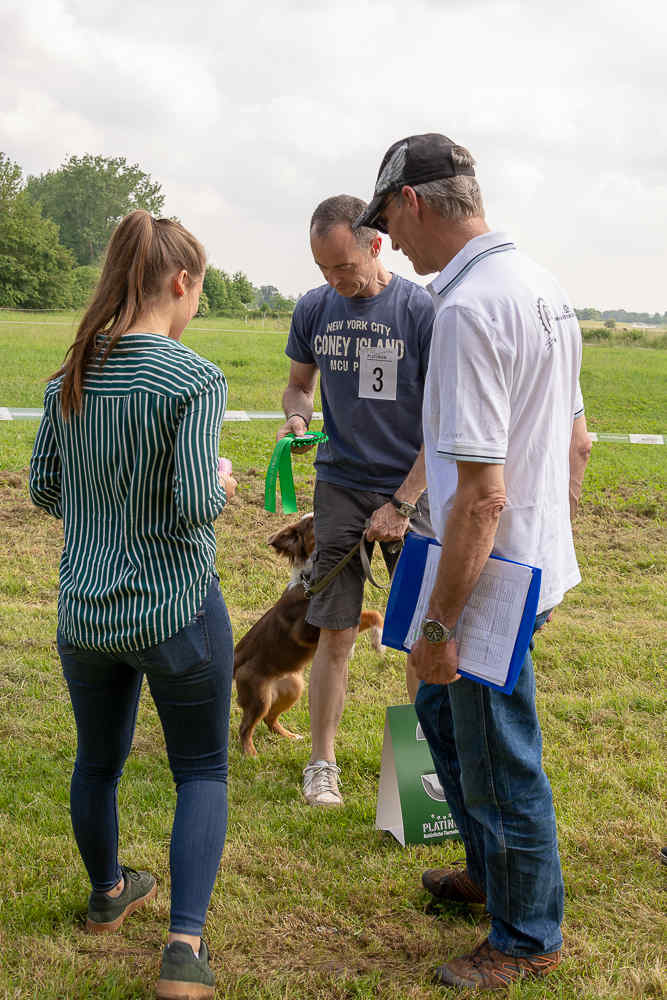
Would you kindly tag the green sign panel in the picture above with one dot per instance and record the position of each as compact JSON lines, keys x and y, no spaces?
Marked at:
{"x":411,"y":803}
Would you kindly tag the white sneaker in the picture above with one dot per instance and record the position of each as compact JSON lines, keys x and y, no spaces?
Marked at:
{"x":320,"y":784}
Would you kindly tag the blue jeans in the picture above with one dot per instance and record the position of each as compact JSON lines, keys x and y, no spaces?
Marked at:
{"x":487,"y":751}
{"x":190,"y":678}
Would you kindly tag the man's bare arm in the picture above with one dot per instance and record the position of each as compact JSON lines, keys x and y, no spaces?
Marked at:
{"x":414,"y":483}
{"x":580,"y":452}
{"x":298,"y":400}
{"x":387,"y":525}
{"x":469,"y":536}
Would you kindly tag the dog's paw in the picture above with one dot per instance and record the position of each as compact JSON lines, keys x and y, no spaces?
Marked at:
{"x":376,"y":640}
{"x":290,"y":735}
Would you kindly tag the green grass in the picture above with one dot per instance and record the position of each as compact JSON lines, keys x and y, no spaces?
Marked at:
{"x":595,"y":332}
{"x":30,"y":351}
{"x":316,"y":904}
{"x":625,"y":388}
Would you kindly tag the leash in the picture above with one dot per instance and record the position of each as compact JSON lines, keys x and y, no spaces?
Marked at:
{"x":280,"y":467}
{"x":314,"y":588}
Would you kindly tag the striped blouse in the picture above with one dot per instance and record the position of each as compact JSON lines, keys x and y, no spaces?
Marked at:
{"x":134,"y":478}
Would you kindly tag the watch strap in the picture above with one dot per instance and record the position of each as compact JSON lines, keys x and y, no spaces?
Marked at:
{"x":404,"y":508}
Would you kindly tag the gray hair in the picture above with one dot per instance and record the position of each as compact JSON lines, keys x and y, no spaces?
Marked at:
{"x":454,"y":198}
{"x":342,"y":210}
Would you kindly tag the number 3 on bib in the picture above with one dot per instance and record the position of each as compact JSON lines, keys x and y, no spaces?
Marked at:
{"x":378,"y":367}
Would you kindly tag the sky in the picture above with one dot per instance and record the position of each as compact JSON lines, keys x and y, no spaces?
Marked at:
{"x":248,"y":117}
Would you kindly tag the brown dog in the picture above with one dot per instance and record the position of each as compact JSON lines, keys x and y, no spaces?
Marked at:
{"x":270,"y":659}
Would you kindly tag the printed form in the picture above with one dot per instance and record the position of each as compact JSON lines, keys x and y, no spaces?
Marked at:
{"x":486,"y":631}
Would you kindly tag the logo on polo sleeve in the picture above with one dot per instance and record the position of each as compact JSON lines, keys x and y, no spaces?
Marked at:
{"x":547,"y":319}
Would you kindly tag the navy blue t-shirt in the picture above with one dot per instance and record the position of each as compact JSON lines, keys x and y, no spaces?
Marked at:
{"x":372,"y":442}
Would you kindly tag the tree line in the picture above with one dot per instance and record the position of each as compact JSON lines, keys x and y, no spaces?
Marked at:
{"x":54,"y":229}
{"x":622,"y":316}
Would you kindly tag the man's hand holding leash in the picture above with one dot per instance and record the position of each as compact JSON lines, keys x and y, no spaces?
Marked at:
{"x":387,"y":525}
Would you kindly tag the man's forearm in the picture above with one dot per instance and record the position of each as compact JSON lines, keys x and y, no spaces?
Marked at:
{"x":580,"y":452}
{"x":469,"y":536}
{"x":298,"y":400}
{"x":414,"y":483}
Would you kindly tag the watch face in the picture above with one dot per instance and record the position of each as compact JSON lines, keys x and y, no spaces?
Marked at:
{"x":433,"y":631}
{"x":406,"y":509}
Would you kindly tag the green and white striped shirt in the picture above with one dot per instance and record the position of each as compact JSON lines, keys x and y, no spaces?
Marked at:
{"x":134,"y":478}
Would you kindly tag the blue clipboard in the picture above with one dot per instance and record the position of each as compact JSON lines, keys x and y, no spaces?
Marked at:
{"x":404,"y":592}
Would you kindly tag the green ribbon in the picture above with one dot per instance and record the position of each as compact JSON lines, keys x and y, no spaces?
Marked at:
{"x":280,"y":466}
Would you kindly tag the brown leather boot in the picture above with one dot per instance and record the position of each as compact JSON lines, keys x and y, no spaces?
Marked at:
{"x":453,"y":885}
{"x":488,"y":969}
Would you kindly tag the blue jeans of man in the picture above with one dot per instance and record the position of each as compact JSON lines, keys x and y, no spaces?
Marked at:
{"x":190,"y":678}
{"x":487,"y":751}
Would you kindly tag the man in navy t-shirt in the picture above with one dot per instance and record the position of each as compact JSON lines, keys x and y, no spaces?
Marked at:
{"x":367,"y":332}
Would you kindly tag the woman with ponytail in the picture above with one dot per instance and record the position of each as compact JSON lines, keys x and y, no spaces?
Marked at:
{"x":126,"y":455}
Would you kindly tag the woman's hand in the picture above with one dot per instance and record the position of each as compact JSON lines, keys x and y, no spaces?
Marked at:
{"x":228,"y":484}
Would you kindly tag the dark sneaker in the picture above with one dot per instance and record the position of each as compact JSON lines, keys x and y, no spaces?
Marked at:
{"x":453,"y":885}
{"x":106,"y":914}
{"x":488,"y":969}
{"x":184,"y":977}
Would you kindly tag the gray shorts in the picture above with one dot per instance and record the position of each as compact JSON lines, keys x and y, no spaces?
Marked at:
{"x":340,"y":516}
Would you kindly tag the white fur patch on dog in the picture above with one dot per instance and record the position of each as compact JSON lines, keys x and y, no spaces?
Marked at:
{"x":376,"y":639}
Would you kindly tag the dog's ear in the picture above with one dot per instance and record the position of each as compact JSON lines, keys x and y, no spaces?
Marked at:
{"x":285,"y":541}
{"x":308,"y":534}
{"x":296,"y":541}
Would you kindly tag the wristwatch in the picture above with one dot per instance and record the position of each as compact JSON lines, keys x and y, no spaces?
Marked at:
{"x":404,"y":508}
{"x":435,"y":632}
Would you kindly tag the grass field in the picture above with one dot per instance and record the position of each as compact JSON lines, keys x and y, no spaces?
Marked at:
{"x":595,"y":331}
{"x":316,"y":904}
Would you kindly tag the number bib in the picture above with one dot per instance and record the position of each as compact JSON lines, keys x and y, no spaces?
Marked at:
{"x":378,"y":369}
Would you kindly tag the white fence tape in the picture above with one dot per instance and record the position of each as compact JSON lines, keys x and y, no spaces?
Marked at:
{"x":18,"y":413}
{"x":243,"y":416}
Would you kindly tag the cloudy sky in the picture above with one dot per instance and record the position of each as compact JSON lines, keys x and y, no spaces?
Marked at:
{"x":249,"y":117}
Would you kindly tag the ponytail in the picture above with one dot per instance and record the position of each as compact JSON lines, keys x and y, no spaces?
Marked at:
{"x":141,"y":252}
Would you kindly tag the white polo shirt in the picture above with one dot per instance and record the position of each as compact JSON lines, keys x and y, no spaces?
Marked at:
{"x":503,"y":387}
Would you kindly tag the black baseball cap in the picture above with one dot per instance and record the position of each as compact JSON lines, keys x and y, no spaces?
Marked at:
{"x":415,"y":160}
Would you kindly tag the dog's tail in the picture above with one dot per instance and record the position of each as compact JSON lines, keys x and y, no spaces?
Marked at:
{"x":374,"y":621}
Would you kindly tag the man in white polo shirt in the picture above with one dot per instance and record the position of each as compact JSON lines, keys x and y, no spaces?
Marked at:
{"x":506,"y":447}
